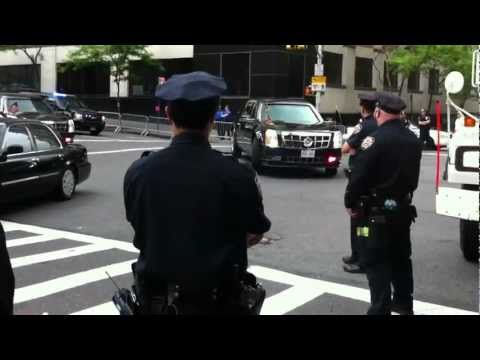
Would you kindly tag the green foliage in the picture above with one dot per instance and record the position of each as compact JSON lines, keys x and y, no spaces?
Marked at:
{"x":444,"y":58}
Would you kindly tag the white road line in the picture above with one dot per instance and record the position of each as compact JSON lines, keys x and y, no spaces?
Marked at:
{"x":302,"y":296}
{"x":57,"y":255}
{"x":103,"y":309}
{"x":30,"y":240}
{"x":79,"y":141}
{"x":54,"y":286}
{"x":289,"y":300}
{"x":145,"y":149}
{"x":121,"y":245}
{"x":124,"y":151}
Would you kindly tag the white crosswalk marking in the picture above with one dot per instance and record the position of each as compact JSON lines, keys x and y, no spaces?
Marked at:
{"x":30,"y":240}
{"x":70,"y":281}
{"x":57,"y":255}
{"x":301,"y":289}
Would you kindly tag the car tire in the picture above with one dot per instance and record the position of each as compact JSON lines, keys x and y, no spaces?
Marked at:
{"x":331,"y":172}
{"x":95,"y":133}
{"x":66,"y":184}
{"x":469,"y":239}
{"x":256,"y":155}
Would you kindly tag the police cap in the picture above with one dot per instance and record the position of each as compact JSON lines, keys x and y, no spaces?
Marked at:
{"x":390,"y":103}
{"x":367,"y":98}
{"x":193,"y":86}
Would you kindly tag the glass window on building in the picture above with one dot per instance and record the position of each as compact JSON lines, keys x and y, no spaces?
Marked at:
{"x":333,"y":64}
{"x":236,"y":72}
{"x":363,"y":73}
{"x":390,"y":78}
{"x":414,"y":81}
{"x":209,"y":63}
{"x":93,"y":80}
{"x":144,"y":77}
{"x":295,"y":76}
{"x":433,"y":81}
{"x":20,"y":78}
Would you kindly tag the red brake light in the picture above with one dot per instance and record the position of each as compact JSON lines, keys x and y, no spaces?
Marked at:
{"x":469,"y":122}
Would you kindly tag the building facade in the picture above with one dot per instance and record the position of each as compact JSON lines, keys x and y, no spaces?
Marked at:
{"x":250,"y":71}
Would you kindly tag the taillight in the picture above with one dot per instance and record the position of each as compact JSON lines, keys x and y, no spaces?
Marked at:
{"x":68,"y":140}
{"x":469,"y":122}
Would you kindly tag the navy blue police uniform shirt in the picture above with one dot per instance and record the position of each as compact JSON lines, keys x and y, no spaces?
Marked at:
{"x":390,"y":157}
{"x":191,"y":208}
{"x":7,"y":280}
{"x":362,"y":130}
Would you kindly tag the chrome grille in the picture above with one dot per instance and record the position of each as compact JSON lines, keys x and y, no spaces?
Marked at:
{"x":61,"y":127}
{"x":296,"y":141}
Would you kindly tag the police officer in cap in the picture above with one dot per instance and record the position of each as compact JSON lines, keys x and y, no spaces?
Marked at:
{"x":366,"y":126}
{"x":7,"y":280}
{"x":175,"y":200}
{"x":380,"y":198}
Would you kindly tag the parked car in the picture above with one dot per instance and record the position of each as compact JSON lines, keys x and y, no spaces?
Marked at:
{"x":286,"y":133}
{"x":85,"y":119}
{"x":34,"y":107}
{"x":34,"y":161}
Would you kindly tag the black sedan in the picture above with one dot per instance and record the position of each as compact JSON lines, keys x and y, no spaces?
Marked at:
{"x":34,"y":161}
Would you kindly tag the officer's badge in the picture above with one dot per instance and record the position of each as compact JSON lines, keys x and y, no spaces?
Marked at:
{"x":357,"y":129}
{"x":369,"y":141}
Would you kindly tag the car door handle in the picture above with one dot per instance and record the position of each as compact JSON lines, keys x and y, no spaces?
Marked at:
{"x":34,"y":162}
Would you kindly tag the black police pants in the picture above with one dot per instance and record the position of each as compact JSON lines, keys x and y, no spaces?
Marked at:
{"x":388,"y":262}
{"x":7,"y":279}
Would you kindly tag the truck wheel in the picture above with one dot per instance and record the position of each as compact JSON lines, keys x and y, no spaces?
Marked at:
{"x":331,"y":172}
{"x":469,"y":239}
{"x":66,"y":184}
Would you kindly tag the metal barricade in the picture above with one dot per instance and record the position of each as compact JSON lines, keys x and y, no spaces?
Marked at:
{"x":145,"y":125}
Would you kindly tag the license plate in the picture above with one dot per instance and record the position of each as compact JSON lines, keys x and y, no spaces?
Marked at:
{"x":93,"y":128}
{"x":307,"y":154}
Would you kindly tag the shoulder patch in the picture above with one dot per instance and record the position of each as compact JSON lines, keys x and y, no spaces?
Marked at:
{"x":369,"y":141}
{"x":357,"y":129}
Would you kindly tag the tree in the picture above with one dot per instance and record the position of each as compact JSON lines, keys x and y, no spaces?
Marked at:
{"x":118,"y":57}
{"x":442,"y":58}
{"x":33,"y":53}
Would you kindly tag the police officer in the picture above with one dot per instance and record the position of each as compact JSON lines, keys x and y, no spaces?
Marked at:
{"x":366,"y":126}
{"x":380,"y":196}
{"x":194,"y":211}
{"x":424,"y":123}
{"x":7,"y":280}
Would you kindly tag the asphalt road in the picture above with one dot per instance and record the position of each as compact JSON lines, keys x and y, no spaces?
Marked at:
{"x":309,"y":236}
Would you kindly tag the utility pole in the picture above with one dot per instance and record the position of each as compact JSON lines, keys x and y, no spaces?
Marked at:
{"x":319,"y":72}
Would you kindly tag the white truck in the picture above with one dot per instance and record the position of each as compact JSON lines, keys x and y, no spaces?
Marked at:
{"x":460,"y":198}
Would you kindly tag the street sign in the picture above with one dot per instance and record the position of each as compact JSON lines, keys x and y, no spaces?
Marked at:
{"x":319,"y":83}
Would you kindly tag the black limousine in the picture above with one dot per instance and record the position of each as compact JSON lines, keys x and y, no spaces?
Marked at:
{"x":34,"y":160}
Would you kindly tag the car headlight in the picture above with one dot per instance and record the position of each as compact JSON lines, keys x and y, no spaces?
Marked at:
{"x":71,"y":126}
{"x":271,"y":138}
{"x":337,"y":139}
{"x":78,"y":116}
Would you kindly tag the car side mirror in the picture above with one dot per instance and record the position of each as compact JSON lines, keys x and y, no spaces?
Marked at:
{"x":14,"y":149}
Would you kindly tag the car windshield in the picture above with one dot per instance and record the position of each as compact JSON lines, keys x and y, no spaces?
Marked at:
{"x":23,"y":105}
{"x":71,"y":101}
{"x":291,"y":114}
